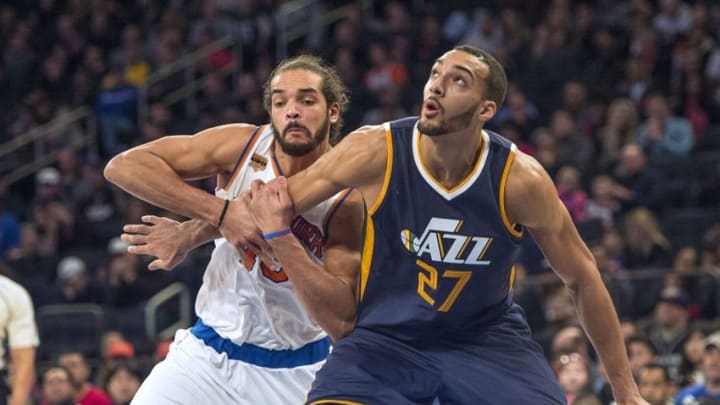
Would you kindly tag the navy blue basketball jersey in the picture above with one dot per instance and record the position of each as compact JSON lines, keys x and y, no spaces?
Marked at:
{"x":437,"y":261}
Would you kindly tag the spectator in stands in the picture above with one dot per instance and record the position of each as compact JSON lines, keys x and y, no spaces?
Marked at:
{"x":641,"y":352}
{"x":17,"y":324}
{"x":116,"y":109}
{"x":655,"y":384}
{"x":54,"y":221}
{"x":546,"y":151}
{"x":567,"y":182}
{"x":76,"y":285}
{"x":691,"y":369}
{"x":122,"y":383}
{"x":9,"y":228}
{"x":603,"y":203}
{"x":575,"y":102}
{"x":670,"y":328}
{"x":572,"y":147}
{"x":31,"y":265}
{"x":711,"y":248}
{"x":383,"y":73}
{"x":700,"y":286}
{"x":646,"y":246}
{"x":710,"y":389}
{"x":58,"y":387}
{"x":519,"y":111}
{"x":573,"y":374}
{"x":619,"y":130}
{"x":640,"y":185}
{"x":127,"y":284}
{"x":86,"y":393}
{"x":615,"y":277}
{"x":662,"y":135}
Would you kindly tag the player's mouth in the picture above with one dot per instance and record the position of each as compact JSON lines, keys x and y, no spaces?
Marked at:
{"x":295,"y":131}
{"x":431,"y":108}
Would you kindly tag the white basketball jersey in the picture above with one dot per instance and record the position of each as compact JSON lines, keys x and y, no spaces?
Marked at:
{"x":251,"y":303}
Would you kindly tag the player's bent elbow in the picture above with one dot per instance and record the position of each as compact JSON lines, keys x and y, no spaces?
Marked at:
{"x":118,"y":168}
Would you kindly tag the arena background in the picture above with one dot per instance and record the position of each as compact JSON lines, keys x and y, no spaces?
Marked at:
{"x":619,"y":100}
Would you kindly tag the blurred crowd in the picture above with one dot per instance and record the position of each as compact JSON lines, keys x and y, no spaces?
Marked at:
{"x":618,"y":100}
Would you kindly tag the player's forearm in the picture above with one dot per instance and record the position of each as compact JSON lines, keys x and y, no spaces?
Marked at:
{"x":149,"y":178}
{"x":598,"y":317}
{"x":328,"y":299}
{"x":23,"y":361}
{"x":197,"y":233}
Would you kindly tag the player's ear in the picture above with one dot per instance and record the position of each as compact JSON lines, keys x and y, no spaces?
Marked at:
{"x":334,"y":113}
{"x":487,"y":109}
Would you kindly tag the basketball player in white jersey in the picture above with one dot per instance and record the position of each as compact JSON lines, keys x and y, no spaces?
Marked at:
{"x":260,"y":337}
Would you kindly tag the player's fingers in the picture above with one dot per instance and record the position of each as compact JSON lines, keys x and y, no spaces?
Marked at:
{"x":152,"y":219}
{"x":138,"y":249}
{"x":136,"y":228}
{"x":160,"y":264}
{"x":283,"y":195}
{"x":155,"y":265}
{"x":134,"y":238}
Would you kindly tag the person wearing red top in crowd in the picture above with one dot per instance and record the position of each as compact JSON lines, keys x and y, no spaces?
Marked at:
{"x":86,"y":393}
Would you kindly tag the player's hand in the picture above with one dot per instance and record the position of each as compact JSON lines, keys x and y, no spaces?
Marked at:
{"x":271,"y":205}
{"x":241,"y":230}
{"x":159,"y":237}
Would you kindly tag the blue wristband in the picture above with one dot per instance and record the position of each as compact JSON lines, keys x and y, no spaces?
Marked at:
{"x":276,"y":234}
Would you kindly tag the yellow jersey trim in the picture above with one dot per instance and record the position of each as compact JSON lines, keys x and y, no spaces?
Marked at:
{"x":336,"y":402}
{"x":388,"y":172}
{"x":367,"y":254}
{"x":450,"y":193}
{"x":503,"y":183}
{"x":512,"y":278}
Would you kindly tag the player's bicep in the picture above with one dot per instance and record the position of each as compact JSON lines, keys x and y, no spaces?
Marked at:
{"x":204,"y":154}
{"x":344,"y":246}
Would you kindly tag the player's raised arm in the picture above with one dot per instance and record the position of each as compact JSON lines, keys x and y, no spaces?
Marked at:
{"x":156,"y":172}
{"x":359,"y":161}
{"x":532,"y":200}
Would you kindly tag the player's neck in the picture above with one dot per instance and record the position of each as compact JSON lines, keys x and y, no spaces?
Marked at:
{"x":451,"y":157}
{"x":291,"y":165}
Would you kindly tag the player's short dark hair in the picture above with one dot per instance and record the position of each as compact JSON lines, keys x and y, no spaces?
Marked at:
{"x":496,"y":84}
{"x":333,"y":88}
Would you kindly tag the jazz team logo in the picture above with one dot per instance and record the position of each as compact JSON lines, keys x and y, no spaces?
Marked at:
{"x":442,"y":242}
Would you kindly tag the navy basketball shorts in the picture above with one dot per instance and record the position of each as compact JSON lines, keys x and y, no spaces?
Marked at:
{"x":501,"y":365}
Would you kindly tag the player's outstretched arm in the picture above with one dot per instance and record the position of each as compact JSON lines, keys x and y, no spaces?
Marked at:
{"x":327,"y":291}
{"x":358,"y":161}
{"x":169,"y":241}
{"x":532,"y":200}
{"x":156,"y":171}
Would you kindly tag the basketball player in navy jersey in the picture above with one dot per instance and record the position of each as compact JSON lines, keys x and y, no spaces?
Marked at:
{"x":447,"y":205}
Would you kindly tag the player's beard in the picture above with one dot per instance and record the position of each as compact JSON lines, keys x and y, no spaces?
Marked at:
{"x":301,"y":149}
{"x":450,"y":125}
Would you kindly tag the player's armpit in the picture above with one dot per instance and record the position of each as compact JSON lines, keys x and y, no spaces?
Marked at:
{"x":358,"y":161}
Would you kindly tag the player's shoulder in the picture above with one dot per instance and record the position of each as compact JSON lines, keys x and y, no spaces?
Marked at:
{"x":367,"y":132}
{"x":13,"y":292}
{"x":234,"y":130}
{"x":526,"y":171}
